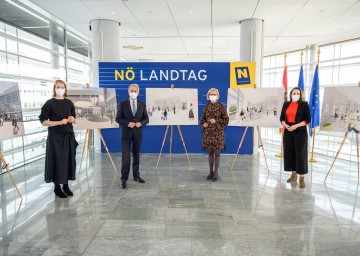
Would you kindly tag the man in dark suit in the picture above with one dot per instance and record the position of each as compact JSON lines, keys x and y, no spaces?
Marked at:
{"x":132,"y":116}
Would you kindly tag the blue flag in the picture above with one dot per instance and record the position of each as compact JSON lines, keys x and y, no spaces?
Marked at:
{"x":301,"y":80}
{"x":314,"y":102}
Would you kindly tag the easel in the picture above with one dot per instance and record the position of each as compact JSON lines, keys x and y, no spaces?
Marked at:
{"x":6,"y":166}
{"x":171,"y":137}
{"x":87,"y":146}
{"x":241,"y":142}
{"x":338,"y":152}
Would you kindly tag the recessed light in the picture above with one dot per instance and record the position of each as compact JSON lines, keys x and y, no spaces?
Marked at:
{"x":191,"y":12}
{"x":112,"y":13}
{"x":133,"y":47}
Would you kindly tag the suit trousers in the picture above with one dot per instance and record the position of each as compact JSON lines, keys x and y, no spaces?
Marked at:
{"x":125,"y":166}
{"x":296,"y":151}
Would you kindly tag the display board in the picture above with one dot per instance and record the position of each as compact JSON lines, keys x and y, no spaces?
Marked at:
{"x":11,"y":117}
{"x":92,"y":111}
{"x":184,"y":75}
{"x":255,"y":107}
{"x":341,"y":109}
{"x":172,"y":106}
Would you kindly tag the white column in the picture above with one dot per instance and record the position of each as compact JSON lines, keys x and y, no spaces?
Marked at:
{"x":251,"y":44}
{"x":105,"y":46}
{"x":251,"y":50}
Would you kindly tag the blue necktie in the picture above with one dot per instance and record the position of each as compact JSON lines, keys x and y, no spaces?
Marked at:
{"x":133,"y":108}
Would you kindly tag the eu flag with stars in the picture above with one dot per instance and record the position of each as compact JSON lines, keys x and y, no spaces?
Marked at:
{"x":314,"y":102}
{"x":301,"y":80}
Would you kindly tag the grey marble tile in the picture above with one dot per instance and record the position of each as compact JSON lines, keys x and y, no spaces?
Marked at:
{"x":192,"y":230}
{"x":186,"y":202}
{"x":220,"y":247}
{"x":246,"y":212}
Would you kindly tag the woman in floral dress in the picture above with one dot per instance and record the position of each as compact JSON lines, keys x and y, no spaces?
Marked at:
{"x":213,"y":121}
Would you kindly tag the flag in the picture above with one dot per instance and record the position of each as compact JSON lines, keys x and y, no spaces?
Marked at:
{"x":284,"y":82}
{"x":314,"y":102}
{"x":301,"y":79}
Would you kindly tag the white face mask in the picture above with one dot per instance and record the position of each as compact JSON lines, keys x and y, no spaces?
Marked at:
{"x":295,"y":97}
{"x":60,"y":92}
{"x":213,"y":98}
{"x":133,"y":95}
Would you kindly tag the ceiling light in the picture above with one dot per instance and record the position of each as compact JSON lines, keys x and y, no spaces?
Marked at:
{"x":37,"y":27}
{"x":133,"y":47}
{"x":191,"y":12}
{"x":112,"y":13}
{"x":322,"y":10}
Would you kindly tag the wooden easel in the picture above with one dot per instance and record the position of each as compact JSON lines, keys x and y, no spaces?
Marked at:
{"x":338,"y":152}
{"x":87,"y":146}
{"x":241,"y":142}
{"x":171,"y":136}
{"x":6,"y":167}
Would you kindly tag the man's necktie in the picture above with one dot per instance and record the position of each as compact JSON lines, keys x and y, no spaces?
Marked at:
{"x":133,"y":108}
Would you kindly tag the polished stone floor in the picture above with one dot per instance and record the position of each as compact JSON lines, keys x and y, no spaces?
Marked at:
{"x":248,"y":211}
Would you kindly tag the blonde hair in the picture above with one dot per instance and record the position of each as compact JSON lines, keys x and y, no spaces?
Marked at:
{"x":212,"y":89}
{"x":61,"y":82}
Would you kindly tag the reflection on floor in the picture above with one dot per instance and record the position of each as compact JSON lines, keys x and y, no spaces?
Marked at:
{"x":178,"y":212}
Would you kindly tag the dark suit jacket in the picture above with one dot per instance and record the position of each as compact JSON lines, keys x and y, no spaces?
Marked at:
{"x":124,"y":116}
{"x":302,"y":114}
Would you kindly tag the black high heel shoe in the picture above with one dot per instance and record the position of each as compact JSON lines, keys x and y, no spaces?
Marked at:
{"x":211,"y":174}
{"x":58,"y":192}
{"x":215,"y":176}
{"x":67,"y":190}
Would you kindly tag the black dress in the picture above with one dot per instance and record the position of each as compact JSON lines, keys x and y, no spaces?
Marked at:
{"x":60,"y":165}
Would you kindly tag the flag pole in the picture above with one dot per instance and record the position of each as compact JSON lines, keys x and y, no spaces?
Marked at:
{"x":312,"y":158}
{"x":281,"y":155}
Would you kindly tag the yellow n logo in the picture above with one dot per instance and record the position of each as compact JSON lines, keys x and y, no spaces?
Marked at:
{"x":242,"y":73}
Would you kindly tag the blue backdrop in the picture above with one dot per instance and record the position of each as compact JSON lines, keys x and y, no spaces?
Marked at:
{"x":200,"y":75}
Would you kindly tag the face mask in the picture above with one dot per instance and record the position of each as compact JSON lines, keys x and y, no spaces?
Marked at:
{"x":295,"y":97}
{"x":213,"y":98}
{"x":133,"y":95}
{"x":60,"y":92}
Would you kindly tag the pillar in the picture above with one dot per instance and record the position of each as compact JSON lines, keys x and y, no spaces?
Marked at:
{"x":251,"y":50}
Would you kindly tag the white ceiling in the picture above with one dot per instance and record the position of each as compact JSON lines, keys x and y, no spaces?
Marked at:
{"x":209,"y":30}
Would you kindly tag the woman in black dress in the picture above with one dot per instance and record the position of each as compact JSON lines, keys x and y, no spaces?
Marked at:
{"x":213,"y":121}
{"x":58,"y":114}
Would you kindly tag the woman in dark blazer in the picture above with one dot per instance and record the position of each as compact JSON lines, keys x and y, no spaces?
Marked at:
{"x":295,"y":115}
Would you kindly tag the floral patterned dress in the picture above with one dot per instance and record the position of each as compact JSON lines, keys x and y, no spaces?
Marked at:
{"x":213,"y":135}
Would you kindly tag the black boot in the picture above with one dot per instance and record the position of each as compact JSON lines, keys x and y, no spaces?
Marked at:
{"x":211,"y":174}
{"x":58,"y":191}
{"x":215,"y":176}
{"x":67,"y":190}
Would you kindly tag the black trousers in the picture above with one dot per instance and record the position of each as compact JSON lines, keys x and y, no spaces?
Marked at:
{"x":125,"y":165}
{"x":296,"y":151}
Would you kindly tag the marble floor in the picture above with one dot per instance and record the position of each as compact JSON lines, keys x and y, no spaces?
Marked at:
{"x":248,"y":211}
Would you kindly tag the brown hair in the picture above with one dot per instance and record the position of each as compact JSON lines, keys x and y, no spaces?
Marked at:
{"x":301,"y":94}
{"x":61,"y":82}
